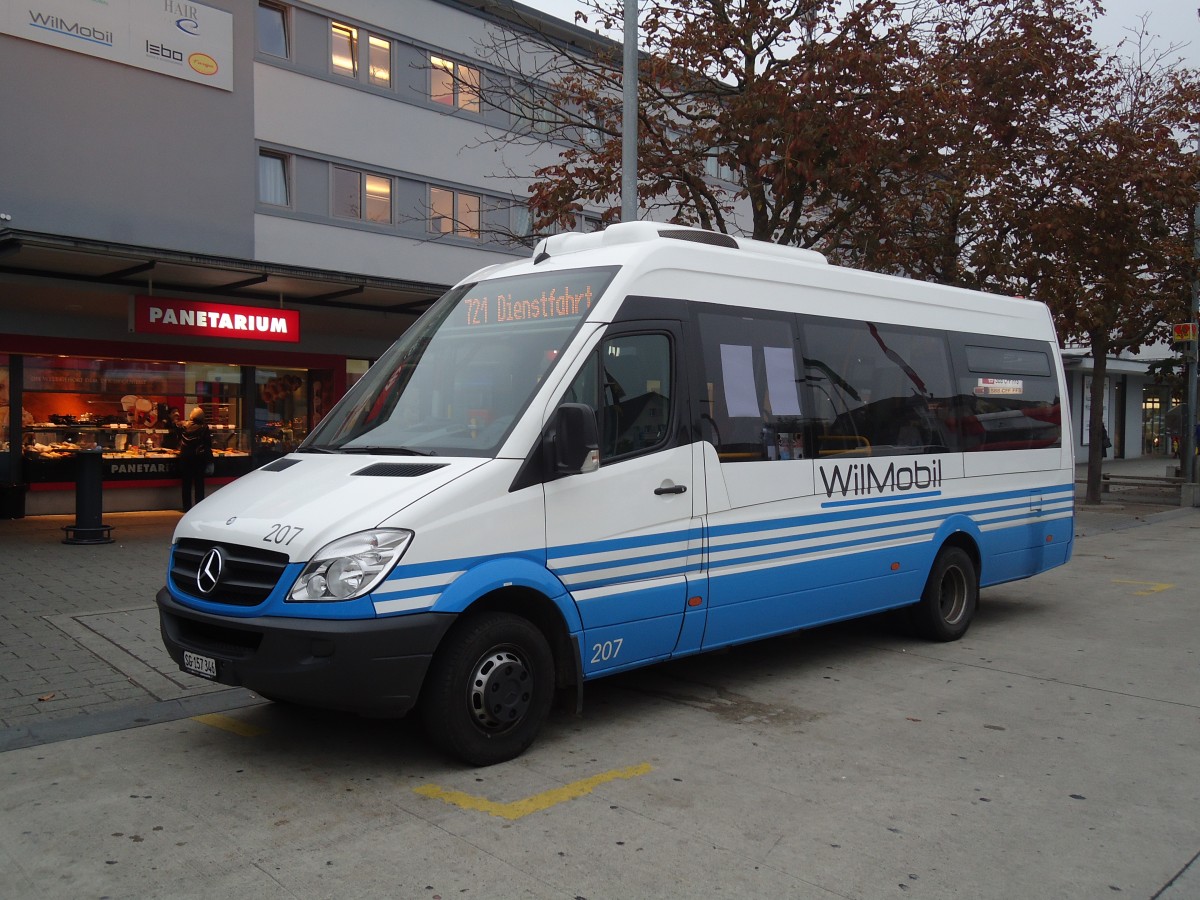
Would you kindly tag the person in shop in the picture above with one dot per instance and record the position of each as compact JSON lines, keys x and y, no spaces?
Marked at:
{"x":173,"y":422}
{"x":26,"y":416}
{"x":195,"y":457}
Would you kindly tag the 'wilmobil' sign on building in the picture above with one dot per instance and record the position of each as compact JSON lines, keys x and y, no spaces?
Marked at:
{"x":166,"y":315}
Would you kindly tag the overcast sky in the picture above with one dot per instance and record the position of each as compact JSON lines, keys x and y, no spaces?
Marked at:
{"x":1174,"y":21}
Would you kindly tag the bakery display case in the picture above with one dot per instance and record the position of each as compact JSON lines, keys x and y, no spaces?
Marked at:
{"x":132,"y":411}
{"x":57,"y":411}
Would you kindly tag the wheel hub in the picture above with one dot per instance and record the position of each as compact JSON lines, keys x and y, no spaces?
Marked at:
{"x":501,"y":690}
{"x":953,"y":596}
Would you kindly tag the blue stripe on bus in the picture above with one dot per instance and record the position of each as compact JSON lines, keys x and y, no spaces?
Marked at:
{"x":831,"y":532}
{"x":624,"y":561}
{"x":1020,"y":497}
{"x":629,"y":543}
{"x":835,"y":503}
{"x":839,"y":518}
{"x":891,"y":517}
{"x":459,"y":564}
{"x":623,"y":579}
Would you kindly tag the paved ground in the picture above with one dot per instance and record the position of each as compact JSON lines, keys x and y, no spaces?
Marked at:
{"x":79,"y":632}
{"x":836,"y":763}
{"x":79,"y":646}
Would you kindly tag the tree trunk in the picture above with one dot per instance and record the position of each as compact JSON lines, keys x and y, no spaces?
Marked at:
{"x":1096,"y":418}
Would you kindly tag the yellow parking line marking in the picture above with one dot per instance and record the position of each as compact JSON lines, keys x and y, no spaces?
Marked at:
{"x":228,"y":723}
{"x":1152,"y":587}
{"x":538,"y":802}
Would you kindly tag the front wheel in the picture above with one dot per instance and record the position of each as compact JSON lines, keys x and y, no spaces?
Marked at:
{"x":950,"y":598}
{"x":489,"y":689}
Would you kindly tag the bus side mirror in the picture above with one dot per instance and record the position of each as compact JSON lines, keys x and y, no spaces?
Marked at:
{"x":575,"y":439}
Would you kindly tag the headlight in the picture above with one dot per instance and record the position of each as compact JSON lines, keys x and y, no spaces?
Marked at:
{"x":350,"y":566}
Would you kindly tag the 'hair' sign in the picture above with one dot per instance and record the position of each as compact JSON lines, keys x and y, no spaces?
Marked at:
{"x":165,"y":315}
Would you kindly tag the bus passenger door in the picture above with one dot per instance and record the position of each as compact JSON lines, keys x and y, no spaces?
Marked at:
{"x":623,"y":538}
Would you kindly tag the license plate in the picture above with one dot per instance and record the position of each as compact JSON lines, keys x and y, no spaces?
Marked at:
{"x":204,"y":666}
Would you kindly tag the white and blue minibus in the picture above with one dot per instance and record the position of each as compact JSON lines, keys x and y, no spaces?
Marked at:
{"x":636,"y":445}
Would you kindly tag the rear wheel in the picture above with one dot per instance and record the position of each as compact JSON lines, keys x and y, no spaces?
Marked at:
{"x":950,"y":598}
{"x":489,"y":689}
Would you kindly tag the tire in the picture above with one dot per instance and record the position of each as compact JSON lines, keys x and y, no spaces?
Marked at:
{"x":489,"y":689}
{"x":950,"y":598}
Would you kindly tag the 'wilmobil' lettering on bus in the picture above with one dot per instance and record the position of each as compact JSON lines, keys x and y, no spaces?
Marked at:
{"x":864,"y":479}
{"x":551,"y":304}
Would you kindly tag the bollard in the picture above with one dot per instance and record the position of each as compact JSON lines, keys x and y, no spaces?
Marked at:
{"x":12,"y":501}
{"x":89,"y":501}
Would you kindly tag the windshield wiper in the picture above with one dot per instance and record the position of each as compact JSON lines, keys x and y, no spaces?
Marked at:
{"x":313,"y":448}
{"x":385,"y":451}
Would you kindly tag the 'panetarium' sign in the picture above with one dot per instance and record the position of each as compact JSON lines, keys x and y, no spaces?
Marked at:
{"x":166,"y":315}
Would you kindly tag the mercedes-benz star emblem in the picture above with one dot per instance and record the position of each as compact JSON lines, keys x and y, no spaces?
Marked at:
{"x":210,"y":571}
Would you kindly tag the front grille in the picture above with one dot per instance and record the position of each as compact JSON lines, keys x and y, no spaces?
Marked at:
{"x":248,"y":575}
{"x":214,"y":640}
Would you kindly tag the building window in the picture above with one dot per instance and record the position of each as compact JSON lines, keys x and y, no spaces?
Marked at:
{"x":716,"y":169}
{"x":379,"y":61}
{"x":454,"y":84}
{"x":453,"y":212}
{"x":347,"y":193}
{"x":521,"y":221}
{"x":534,"y":111}
{"x":272,"y":30}
{"x":359,"y":195}
{"x":522,"y":224}
{"x":272,"y":179}
{"x":379,"y":199}
{"x":344,"y":49}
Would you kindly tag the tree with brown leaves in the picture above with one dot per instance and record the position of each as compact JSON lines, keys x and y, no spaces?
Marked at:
{"x":985,"y":143}
{"x":1110,"y":246}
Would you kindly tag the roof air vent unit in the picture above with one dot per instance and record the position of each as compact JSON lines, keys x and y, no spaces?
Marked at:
{"x":712,"y":238}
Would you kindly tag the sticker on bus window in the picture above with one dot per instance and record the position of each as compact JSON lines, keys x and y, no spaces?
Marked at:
{"x":999,"y":387}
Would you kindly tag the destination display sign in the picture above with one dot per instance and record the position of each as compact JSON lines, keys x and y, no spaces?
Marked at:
{"x":562,"y":301}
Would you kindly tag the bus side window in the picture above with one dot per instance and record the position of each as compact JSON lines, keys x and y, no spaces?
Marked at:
{"x":1008,"y":394}
{"x":884,"y":389}
{"x":752,"y":402}
{"x":628,"y":383}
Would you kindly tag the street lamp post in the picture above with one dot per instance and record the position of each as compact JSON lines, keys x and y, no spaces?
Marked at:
{"x":629,"y":204}
{"x":1193,"y":348}
{"x":1188,"y":438}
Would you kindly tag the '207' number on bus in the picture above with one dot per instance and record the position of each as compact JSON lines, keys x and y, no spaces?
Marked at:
{"x":282,"y":534}
{"x":606,"y":651}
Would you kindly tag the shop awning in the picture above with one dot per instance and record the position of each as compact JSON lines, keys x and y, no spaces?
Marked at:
{"x":148,"y":270}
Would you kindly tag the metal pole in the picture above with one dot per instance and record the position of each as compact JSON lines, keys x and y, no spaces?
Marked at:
{"x":1189,"y":428}
{"x":629,"y":202}
{"x":1188,"y":469}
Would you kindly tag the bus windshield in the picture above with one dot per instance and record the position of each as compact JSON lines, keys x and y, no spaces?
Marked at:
{"x":456,"y":381}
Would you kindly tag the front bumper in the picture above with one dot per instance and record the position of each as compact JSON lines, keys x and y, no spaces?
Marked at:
{"x":373,"y":667}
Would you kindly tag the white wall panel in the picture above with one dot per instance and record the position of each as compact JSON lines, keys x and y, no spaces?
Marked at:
{"x":298,"y":243}
{"x":310,"y":114}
